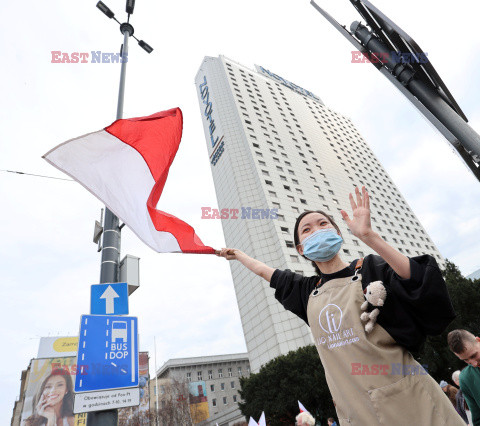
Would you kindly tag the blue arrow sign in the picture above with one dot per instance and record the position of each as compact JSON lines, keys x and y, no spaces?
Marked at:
{"x":109,"y":299}
{"x":107,"y":353}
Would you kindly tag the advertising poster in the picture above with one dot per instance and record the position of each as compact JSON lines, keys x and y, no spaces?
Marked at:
{"x":49,"y":393}
{"x":138,"y":415}
{"x":51,"y":347}
{"x":198,"y":401}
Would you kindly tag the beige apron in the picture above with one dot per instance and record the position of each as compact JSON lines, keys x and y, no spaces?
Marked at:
{"x":373,"y":381}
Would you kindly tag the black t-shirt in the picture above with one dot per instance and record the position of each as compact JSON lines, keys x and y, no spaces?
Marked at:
{"x":413,"y":308}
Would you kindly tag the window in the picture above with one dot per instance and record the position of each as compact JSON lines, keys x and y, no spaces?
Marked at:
{"x":210,"y":374}
{"x":189,"y":377}
{"x":285,"y":231}
{"x":232,"y":385}
{"x":212,"y":388}
{"x":234,"y":398}
{"x":199,"y":375}
{"x":224,"y":400}
{"x":220,"y":373}
{"x":222,"y":386}
{"x":294,"y":258}
{"x":214,"y":402}
{"x":272,"y":194}
{"x":290,"y":244}
{"x":239,"y":371}
{"x":229,"y":372}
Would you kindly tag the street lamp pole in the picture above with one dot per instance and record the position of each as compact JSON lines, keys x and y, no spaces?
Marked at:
{"x":110,"y":263}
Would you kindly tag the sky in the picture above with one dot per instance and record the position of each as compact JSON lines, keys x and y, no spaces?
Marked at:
{"x":187,"y":302}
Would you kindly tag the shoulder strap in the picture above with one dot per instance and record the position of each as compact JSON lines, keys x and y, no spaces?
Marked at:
{"x":359,"y":264}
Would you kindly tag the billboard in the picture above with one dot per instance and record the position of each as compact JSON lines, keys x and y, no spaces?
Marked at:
{"x":51,"y":347}
{"x":49,"y":393}
{"x":198,"y":401}
{"x":138,"y":415}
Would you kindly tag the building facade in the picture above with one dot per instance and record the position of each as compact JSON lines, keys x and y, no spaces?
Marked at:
{"x":213,"y":381}
{"x":277,"y":150}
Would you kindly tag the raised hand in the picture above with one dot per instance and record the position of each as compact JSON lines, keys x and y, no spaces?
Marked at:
{"x":359,"y":224}
{"x":46,"y":410}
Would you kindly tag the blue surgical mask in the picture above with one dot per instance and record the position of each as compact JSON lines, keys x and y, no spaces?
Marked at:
{"x":322,"y":245}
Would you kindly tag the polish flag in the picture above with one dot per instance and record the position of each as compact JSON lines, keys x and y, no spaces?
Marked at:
{"x":125,"y":166}
{"x":261,"y":422}
{"x":302,"y":408}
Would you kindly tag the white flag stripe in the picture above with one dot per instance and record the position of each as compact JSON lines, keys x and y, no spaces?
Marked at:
{"x":101,"y":162}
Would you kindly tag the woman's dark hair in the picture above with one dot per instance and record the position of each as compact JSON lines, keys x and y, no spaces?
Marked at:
{"x":296,"y":237}
{"x":67,"y":403}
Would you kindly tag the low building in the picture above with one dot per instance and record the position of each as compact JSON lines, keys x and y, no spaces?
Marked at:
{"x":208,"y":385}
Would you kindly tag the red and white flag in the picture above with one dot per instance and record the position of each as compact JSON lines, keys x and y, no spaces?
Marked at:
{"x":261,"y":422}
{"x":302,"y":408}
{"x":125,"y":166}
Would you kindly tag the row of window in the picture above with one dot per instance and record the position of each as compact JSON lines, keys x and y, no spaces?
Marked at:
{"x":220,"y":373}
{"x":225,"y":400}
{"x":222,"y":386}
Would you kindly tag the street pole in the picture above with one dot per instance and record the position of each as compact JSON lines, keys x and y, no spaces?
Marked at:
{"x":109,"y":269}
{"x":156,"y":381}
{"x":425,"y":92}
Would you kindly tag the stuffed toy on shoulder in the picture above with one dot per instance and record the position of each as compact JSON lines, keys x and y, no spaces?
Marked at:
{"x":375,"y":295}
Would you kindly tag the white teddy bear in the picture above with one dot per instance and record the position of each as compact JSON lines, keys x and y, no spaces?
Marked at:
{"x":375,"y":295}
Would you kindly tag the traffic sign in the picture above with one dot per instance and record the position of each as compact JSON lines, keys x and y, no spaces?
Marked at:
{"x":107,"y":353}
{"x":106,"y":400}
{"x":109,"y":299}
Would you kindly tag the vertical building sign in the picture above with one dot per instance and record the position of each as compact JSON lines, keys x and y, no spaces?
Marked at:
{"x":216,"y":140}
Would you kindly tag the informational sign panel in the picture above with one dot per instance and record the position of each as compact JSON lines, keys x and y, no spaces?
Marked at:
{"x":107,"y":353}
{"x":109,"y":299}
{"x":106,"y":400}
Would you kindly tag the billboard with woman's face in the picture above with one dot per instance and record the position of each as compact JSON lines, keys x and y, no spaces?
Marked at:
{"x":49,"y":392}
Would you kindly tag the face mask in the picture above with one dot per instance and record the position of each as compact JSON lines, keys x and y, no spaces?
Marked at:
{"x":322,"y":245}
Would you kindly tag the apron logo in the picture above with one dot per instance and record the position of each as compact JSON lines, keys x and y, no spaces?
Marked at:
{"x":330,"y":318}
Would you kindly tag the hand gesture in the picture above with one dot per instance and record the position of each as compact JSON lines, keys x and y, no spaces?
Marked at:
{"x":360,"y":223}
{"x":45,"y":410}
{"x":228,"y":253}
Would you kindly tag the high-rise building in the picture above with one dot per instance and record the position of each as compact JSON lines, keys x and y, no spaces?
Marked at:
{"x":276,"y":150}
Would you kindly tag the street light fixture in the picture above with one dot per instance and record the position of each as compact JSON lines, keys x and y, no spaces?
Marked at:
{"x":130,"y":6}
{"x":104,"y":8}
{"x":145,"y":46}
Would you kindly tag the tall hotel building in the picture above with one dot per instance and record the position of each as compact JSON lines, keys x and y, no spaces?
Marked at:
{"x":274,"y":145}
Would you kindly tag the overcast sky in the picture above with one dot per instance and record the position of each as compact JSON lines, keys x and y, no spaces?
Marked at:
{"x":47,"y":257}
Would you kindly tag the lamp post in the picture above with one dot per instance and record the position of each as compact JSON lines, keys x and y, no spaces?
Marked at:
{"x":109,"y":270}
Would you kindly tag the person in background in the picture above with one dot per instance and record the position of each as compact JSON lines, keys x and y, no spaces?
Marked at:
{"x":331,"y":421}
{"x":451,"y":392}
{"x":459,"y":398}
{"x":305,"y":419}
{"x":466,"y":346}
